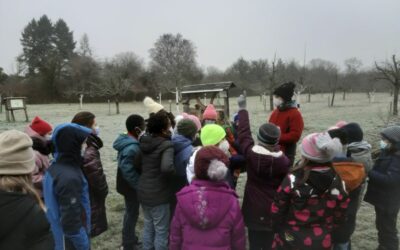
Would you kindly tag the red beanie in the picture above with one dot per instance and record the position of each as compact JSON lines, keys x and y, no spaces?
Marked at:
{"x":40,"y":126}
{"x":210,"y":113}
{"x":204,"y":161}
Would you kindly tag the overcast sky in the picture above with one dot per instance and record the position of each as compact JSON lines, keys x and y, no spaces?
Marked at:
{"x":222,"y":30}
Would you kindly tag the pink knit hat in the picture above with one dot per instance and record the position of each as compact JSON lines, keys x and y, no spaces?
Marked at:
{"x":210,"y":113}
{"x":320,"y":147}
{"x":194,"y":119}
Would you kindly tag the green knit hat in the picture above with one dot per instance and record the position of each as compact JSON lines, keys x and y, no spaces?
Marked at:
{"x":212,"y":134}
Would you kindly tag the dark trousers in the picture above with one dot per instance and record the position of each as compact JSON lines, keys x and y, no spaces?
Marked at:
{"x":129,"y":238}
{"x":260,"y":240}
{"x":386,"y":220}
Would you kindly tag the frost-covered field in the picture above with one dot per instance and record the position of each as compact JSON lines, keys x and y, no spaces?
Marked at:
{"x":316,"y":114}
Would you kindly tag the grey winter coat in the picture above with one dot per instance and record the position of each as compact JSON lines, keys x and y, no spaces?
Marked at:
{"x":361,"y":152}
{"x":156,"y":163}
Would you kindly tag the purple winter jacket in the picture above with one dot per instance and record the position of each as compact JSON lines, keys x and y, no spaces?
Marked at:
{"x":207,"y":217}
{"x":265,"y":172}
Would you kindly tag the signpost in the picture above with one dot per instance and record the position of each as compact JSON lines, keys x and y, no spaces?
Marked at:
{"x":15,"y":103}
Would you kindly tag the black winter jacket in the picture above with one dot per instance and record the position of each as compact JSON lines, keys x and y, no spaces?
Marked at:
{"x":156,"y":163}
{"x":23,"y":224}
{"x":98,"y":188}
{"x":384,"y":182}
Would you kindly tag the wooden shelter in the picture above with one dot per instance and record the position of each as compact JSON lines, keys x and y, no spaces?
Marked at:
{"x":218,"y":90}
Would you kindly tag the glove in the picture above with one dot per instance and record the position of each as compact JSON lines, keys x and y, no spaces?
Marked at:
{"x":242,"y":103}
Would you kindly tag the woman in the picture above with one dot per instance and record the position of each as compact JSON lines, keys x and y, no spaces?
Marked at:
{"x":311,"y":200}
{"x":93,"y":170}
{"x":384,"y":188}
{"x":23,"y":221}
{"x":288,"y":118}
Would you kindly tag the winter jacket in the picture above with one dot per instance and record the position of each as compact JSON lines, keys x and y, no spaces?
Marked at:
{"x":183,"y":150}
{"x":127,"y":175}
{"x":66,"y":191}
{"x":203,"y":222}
{"x":156,"y":164}
{"x":353,"y":175}
{"x":98,"y":188}
{"x":42,"y":149}
{"x":23,"y":223}
{"x":190,"y":166}
{"x":265,"y":172}
{"x":384,"y":182}
{"x":288,"y":118}
{"x":304,"y":215}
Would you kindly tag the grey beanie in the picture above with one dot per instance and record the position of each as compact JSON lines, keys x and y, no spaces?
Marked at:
{"x":269,"y":134}
{"x":187,"y":128}
{"x":16,"y":153}
{"x":392,"y":134}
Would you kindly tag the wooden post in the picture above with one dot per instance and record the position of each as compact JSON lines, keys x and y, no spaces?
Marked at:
{"x":391,"y":108}
{"x":12,"y":115}
{"x":26,"y":115}
{"x":227,"y":104}
{"x":109,"y":107}
{"x":81,"y":101}
{"x":170,"y":106}
{"x":1,"y":103}
{"x":329,"y":101}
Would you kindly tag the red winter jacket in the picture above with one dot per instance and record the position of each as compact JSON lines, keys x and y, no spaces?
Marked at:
{"x":290,"y":122}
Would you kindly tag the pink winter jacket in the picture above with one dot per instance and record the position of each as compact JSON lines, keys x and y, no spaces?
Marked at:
{"x":207,"y":217}
{"x":42,"y":161}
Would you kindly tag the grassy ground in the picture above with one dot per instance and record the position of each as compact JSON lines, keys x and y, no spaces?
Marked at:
{"x":317,"y":116}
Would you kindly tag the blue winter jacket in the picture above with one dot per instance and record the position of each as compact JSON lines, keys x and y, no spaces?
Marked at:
{"x":183,"y":150}
{"x":65,"y":190}
{"x":127,"y":174}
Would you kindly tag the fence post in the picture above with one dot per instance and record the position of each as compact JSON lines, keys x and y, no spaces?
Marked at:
{"x":109,"y":107}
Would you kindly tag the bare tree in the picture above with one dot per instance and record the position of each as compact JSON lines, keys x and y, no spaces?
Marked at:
{"x":174,"y":58}
{"x":389,"y":71}
{"x":350,"y":77}
{"x":118,"y":77}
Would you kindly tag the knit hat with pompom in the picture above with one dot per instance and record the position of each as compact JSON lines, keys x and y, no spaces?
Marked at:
{"x":320,"y":147}
{"x":211,"y":164}
{"x":152,"y":106}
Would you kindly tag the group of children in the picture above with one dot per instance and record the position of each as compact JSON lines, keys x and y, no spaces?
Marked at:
{"x":182,"y":171}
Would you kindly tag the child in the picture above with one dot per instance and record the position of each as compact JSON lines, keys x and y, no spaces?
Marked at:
{"x":93,"y":170}
{"x":208,"y":214}
{"x":23,"y":221}
{"x":311,"y":200}
{"x":155,"y":188}
{"x":266,"y":168}
{"x":40,"y":133}
{"x":183,"y":149}
{"x":65,"y":189}
{"x":384,"y":188}
{"x":127,"y":146}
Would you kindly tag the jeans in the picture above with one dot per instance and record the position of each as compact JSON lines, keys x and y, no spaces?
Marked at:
{"x":260,"y":240}
{"x":156,"y":227}
{"x":129,"y":238}
{"x":386,"y":220}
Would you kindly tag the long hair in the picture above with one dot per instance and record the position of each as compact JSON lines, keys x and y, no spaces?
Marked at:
{"x":20,"y":184}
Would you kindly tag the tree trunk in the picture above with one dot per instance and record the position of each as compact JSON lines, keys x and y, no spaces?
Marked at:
{"x":117,"y":105}
{"x":344,"y":95}
{"x":271,"y":101}
{"x":333,"y":97}
{"x":309,"y":95}
{"x":396,"y":98}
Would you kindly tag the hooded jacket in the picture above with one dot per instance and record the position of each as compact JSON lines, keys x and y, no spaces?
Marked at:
{"x":361,"y":152}
{"x":304,"y":214}
{"x":156,"y":163}
{"x":23,"y":223}
{"x":203,"y":222}
{"x":66,"y":191}
{"x":127,"y":174}
{"x":98,"y":188}
{"x":183,"y":150}
{"x":288,"y":118}
{"x":265,"y":172}
{"x":384,"y":182}
{"x":42,"y":149}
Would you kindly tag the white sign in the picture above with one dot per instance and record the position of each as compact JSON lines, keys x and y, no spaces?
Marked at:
{"x":17,"y":103}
